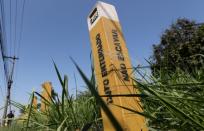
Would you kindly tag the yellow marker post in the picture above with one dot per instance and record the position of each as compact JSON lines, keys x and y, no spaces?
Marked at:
{"x":112,"y":67}
{"x":47,"y":90}
{"x":35,"y":102}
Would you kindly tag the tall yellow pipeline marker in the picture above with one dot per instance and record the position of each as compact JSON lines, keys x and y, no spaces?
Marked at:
{"x":112,"y":64}
{"x":35,"y":102}
{"x":47,"y":90}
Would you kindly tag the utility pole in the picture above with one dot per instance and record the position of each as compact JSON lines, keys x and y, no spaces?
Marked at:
{"x":9,"y":85}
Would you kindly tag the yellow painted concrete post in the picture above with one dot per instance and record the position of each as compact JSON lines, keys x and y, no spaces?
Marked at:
{"x":47,"y":90}
{"x":35,"y":102}
{"x":112,"y":67}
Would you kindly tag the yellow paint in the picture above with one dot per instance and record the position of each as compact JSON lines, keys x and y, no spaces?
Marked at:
{"x":47,"y":89}
{"x":35,"y":102}
{"x":113,"y":68}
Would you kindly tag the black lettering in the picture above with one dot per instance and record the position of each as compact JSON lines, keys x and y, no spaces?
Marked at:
{"x":115,"y":36}
{"x":120,"y":57}
{"x":106,"y":82}
{"x":109,"y":100}
{"x":118,"y":48}
{"x":101,"y":56}
{"x":124,"y":72}
{"x":103,"y":68}
{"x":98,"y":36}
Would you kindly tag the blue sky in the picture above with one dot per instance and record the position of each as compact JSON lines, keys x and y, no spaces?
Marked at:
{"x":57,"y":29}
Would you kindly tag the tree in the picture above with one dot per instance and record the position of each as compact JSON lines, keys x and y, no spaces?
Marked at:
{"x":181,"y":47}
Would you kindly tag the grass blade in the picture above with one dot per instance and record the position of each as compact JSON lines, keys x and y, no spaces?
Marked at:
{"x":179,"y":112}
{"x":107,"y":111}
{"x":30,"y":109}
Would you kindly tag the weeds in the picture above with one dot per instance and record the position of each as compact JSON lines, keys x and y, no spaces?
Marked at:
{"x":170,"y":102}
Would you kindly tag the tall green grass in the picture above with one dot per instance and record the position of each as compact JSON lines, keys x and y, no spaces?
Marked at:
{"x":176,"y":100}
{"x":63,"y":112}
{"x":170,"y":102}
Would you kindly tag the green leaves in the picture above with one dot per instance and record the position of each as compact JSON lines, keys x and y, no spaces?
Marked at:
{"x":63,"y":112}
{"x":177,"y":104}
{"x":29,"y":111}
{"x":113,"y":120}
{"x":182,"y":40}
{"x":173,"y":102}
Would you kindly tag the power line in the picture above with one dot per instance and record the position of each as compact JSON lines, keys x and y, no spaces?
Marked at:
{"x":10,"y":24}
{"x":21,"y":27}
{"x":2,"y":93}
{"x":15,"y":30}
{"x":8,"y":66}
{"x":3,"y":21}
{"x":9,"y":85}
{"x":3,"y":39}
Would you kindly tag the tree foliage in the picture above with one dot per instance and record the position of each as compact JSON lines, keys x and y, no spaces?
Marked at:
{"x":181,"y":46}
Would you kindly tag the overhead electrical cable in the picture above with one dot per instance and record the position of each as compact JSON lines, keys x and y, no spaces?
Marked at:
{"x":3,"y":40}
{"x":4,"y":53}
{"x":10,"y":18}
{"x":3,"y":22}
{"x":15,"y":25}
{"x":2,"y":93}
{"x":9,"y":57}
{"x":21,"y":27}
